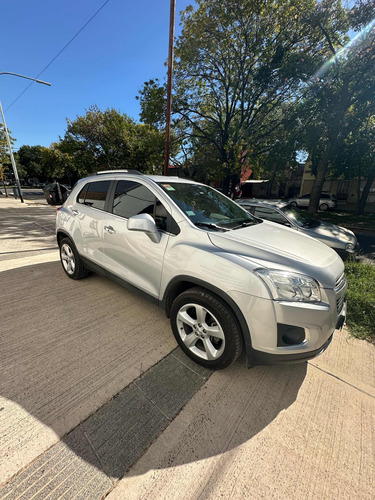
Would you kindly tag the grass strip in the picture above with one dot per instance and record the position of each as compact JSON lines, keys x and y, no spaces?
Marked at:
{"x":361,"y":299}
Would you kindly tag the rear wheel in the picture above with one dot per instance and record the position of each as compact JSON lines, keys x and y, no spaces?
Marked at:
{"x":70,"y":260}
{"x":293,"y":204}
{"x":206,"y":329}
{"x":323,"y":207}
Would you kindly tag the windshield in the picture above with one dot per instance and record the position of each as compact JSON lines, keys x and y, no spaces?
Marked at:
{"x":206,"y":207}
{"x":299,"y":217}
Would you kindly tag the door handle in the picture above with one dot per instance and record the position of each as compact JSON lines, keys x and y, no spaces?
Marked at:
{"x":74,"y":211}
{"x":109,"y":229}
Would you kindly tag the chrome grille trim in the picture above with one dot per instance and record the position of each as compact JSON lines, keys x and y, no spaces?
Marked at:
{"x":340,"y":303}
{"x":340,"y":283}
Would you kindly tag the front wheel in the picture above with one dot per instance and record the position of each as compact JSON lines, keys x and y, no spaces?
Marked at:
{"x":206,"y":329}
{"x":293,"y":204}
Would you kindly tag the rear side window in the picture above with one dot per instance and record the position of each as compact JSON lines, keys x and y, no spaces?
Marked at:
{"x":94,"y":194}
{"x":131,"y":198}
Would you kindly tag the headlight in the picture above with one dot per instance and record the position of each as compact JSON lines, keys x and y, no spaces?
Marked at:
{"x":350,"y":246}
{"x":290,"y":286}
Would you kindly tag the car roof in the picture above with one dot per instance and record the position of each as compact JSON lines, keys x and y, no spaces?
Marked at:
{"x":263,"y":203}
{"x":135,"y":175}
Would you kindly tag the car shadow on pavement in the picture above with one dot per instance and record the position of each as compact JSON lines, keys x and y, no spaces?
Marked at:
{"x":68,"y":347}
{"x":230,"y":410}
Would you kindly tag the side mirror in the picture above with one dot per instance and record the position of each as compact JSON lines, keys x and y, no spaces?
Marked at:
{"x":146,"y":224}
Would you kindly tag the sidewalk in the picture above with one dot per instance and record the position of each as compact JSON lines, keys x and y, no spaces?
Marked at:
{"x":95,"y":400}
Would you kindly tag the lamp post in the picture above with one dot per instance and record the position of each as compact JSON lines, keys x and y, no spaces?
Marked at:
{"x":7,"y":133}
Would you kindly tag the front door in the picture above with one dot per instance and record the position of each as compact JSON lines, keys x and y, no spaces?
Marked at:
{"x":132,"y":255}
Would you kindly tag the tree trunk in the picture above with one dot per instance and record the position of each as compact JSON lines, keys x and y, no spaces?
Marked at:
{"x":318,"y":182}
{"x":359,"y":181}
{"x":363,"y":200}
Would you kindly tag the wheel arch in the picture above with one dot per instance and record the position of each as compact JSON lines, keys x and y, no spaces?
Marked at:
{"x":180,"y":284}
{"x":60,"y":234}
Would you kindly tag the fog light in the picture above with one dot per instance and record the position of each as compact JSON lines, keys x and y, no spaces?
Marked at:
{"x":289,"y":335}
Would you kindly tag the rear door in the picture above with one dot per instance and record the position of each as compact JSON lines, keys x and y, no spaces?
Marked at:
{"x":131,"y":255}
{"x":89,"y":215}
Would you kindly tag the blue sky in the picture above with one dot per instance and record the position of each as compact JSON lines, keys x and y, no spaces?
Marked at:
{"x":125,"y":45}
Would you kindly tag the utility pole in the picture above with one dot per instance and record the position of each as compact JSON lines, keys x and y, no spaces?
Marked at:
{"x":7,"y":133}
{"x":11,"y":155}
{"x":169,"y":86}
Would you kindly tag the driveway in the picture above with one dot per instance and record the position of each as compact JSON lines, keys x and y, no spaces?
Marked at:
{"x":95,"y":399}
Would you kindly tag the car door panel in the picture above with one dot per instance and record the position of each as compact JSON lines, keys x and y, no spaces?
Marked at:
{"x":131,"y":255}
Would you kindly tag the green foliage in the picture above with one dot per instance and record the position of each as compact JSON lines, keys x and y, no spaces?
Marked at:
{"x":30,"y":159}
{"x":361,"y":299}
{"x":102,"y":140}
{"x":240,"y":70}
{"x":339,"y":96}
{"x":152,"y":99}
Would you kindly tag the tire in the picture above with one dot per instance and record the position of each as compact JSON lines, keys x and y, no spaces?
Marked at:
{"x":196,"y":311}
{"x":71,"y":261}
{"x":324,"y":207}
{"x":293,"y":204}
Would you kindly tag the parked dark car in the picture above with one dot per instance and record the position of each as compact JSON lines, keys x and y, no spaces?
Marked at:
{"x":55,"y":193}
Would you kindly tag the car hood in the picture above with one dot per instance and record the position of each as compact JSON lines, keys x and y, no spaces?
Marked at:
{"x":331,"y":234}
{"x":273,"y":246}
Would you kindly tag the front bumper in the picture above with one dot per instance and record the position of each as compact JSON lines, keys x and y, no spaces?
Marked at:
{"x":255,"y":357}
{"x":289,"y":332}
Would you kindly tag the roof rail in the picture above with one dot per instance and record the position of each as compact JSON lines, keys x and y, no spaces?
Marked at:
{"x":129,"y":171}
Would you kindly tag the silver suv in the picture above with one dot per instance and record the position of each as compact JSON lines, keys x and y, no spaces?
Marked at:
{"x":326,"y":202}
{"x":228,"y":281}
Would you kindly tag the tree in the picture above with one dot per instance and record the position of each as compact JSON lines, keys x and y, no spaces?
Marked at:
{"x":339,"y":96}
{"x":30,"y":159}
{"x":4,"y":154}
{"x":357,"y":159}
{"x":153,"y":102}
{"x":107,"y":139}
{"x":238,"y":72}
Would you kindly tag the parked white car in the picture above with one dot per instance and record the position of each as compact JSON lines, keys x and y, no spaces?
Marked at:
{"x":228,"y":281}
{"x":326,"y":202}
{"x":339,"y":238}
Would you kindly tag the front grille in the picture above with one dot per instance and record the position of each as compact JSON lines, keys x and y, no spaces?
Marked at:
{"x":340,"y":303}
{"x":340,"y":283}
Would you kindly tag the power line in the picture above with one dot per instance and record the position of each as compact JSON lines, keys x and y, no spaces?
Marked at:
{"x":57,"y":55}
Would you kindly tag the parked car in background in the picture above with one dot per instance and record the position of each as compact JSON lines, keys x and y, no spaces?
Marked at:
{"x":326,"y":202}
{"x":228,"y":281}
{"x":340,"y":239}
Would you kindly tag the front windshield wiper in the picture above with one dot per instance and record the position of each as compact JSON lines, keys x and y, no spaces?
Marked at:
{"x":312,"y":223}
{"x":246,"y":224}
{"x":210,"y":225}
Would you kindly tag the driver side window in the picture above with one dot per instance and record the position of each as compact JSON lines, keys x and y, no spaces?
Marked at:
{"x":132,"y":198}
{"x":272,"y":215}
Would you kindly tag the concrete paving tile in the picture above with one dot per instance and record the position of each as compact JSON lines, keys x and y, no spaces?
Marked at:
{"x":170,"y":384}
{"x":200,"y":370}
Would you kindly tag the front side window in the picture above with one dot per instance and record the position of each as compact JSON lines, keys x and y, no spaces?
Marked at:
{"x":270,"y":214}
{"x":132,"y":198}
{"x":94,"y":194}
{"x":207,"y":207}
